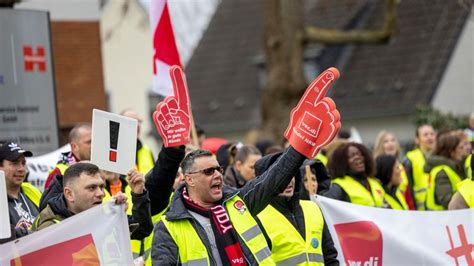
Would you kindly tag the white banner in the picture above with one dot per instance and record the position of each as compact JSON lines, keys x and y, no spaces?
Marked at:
{"x":366,"y":236}
{"x":5,"y":231}
{"x":98,"y":236}
{"x":39,"y":166}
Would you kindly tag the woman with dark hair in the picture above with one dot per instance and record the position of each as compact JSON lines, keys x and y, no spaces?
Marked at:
{"x":446,"y":168}
{"x":352,"y":167}
{"x":241,"y":168}
{"x":388,"y":172}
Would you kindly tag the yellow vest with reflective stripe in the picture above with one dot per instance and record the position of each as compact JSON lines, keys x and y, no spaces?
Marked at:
{"x":420,"y":178}
{"x":454,"y":179}
{"x":323,"y":158}
{"x":467,"y":166}
{"x":148,"y":241}
{"x":193,"y":251}
{"x":358,"y":194}
{"x":288,"y":247}
{"x":401,"y":204}
{"x":31,"y":192}
{"x":466,"y":189}
{"x":145,"y":160}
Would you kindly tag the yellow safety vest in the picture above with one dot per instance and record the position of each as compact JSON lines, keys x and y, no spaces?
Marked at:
{"x":323,"y":158}
{"x":288,"y":247}
{"x":404,"y":184}
{"x":420,"y":178}
{"x":454,"y":179}
{"x":148,"y":241}
{"x":467,"y":166}
{"x":145,"y":160}
{"x":401,"y":204}
{"x":31,"y":192}
{"x":192,"y":250}
{"x":358,"y":194}
{"x":466,"y":189}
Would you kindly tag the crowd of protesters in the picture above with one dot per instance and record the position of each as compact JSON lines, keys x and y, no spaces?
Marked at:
{"x":248,"y":204}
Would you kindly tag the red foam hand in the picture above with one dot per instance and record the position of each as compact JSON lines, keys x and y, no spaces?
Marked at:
{"x":172,"y":116}
{"x":314,"y":122}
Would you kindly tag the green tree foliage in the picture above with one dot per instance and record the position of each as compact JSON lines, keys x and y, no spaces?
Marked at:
{"x":439,"y":120}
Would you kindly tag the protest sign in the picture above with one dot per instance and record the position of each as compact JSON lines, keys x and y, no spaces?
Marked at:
{"x":114,"y":142}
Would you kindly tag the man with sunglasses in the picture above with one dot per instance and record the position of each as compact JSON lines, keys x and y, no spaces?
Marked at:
{"x":211,"y":224}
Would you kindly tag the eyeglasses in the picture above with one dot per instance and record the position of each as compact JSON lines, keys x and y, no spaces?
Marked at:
{"x":209,"y":171}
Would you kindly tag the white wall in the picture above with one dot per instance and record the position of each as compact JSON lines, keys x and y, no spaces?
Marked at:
{"x":127,"y":59}
{"x":456,"y":90}
{"x":401,"y":126}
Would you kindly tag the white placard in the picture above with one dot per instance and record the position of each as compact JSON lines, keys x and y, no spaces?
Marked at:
{"x":4,"y":215}
{"x":111,"y":151}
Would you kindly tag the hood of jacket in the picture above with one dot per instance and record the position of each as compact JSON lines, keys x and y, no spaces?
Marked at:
{"x":58,"y":206}
{"x":434,"y":160}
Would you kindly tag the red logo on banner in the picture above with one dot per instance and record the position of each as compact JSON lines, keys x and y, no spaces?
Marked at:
{"x":32,"y":58}
{"x":77,"y":251}
{"x":361,"y":243}
{"x":464,"y":250}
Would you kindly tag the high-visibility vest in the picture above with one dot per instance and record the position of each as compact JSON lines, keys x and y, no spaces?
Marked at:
{"x":288,"y":247}
{"x":145,"y":160}
{"x":466,"y":189}
{"x":454,"y":179}
{"x":323,"y":158}
{"x":192,"y":250}
{"x":404,"y":184}
{"x":420,"y":178}
{"x":148,"y":241}
{"x":401,"y":204}
{"x":358,"y":194}
{"x":467,"y":166}
{"x":31,"y":192}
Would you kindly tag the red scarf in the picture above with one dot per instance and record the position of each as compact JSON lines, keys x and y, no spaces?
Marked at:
{"x":224,"y":233}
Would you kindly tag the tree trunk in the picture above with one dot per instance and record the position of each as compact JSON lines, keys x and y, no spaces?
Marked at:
{"x":285,"y":36}
{"x":283,"y":42}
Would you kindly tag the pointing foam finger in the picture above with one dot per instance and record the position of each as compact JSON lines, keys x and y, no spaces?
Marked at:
{"x":180,"y":88}
{"x":318,"y":88}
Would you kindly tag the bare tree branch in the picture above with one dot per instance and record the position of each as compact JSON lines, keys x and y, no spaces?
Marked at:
{"x":334,"y":36}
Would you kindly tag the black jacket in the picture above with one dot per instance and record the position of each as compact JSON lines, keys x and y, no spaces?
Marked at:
{"x":256,"y":194}
{"x":54,"y":189}
{"x":159,"y":181}
{"x":291,"y":209}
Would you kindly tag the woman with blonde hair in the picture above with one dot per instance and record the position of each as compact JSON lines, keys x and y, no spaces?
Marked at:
{"x":387,"y":144}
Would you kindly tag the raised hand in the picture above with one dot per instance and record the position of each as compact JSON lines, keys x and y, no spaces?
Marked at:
{"x":172,"y":116}
{"x":136,"y":181}
{"x":120,"y":198}
{"x":314,"y":122}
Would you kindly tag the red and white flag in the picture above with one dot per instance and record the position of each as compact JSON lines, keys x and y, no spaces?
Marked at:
{"x":165,"y":52}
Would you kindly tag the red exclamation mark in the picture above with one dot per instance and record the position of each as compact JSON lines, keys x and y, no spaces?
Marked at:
{"x":114,"y":132}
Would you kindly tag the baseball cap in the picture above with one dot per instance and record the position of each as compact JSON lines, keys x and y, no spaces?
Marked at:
{"x":11,"y":151}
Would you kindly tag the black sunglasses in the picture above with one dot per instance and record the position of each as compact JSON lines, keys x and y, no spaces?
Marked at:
{"x":209,"y":171}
